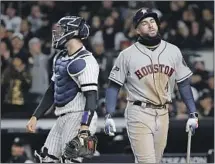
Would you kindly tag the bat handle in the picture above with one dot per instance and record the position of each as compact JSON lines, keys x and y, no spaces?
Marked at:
{"x":189,"y":144}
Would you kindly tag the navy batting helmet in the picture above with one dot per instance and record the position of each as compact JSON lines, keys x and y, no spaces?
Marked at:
{"x":144,"y":13}
{"x":69,"y":27}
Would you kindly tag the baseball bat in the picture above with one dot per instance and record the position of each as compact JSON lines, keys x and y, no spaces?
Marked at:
{"x":189,"y":144}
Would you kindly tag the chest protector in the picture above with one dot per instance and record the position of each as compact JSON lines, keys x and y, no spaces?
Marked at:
{"x":65,"y":87}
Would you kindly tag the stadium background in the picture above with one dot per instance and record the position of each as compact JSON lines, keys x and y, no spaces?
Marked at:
{"x":26,"y":61}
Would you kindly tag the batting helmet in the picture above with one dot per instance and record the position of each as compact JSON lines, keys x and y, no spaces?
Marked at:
{"x":144,"y":13}
{"x":69,"y":27}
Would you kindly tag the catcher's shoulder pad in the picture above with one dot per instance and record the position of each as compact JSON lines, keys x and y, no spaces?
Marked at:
{"x":76,"y":66}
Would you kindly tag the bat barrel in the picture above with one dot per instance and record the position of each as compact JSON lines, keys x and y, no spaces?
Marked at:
{"x":189,"y":145}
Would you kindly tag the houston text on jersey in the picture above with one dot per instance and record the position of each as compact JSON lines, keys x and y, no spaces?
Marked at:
{"x":149,"y":69}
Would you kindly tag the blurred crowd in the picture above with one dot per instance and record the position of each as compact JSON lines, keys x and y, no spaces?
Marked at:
{"x":26,"y":53}
{"x":20,"y":152}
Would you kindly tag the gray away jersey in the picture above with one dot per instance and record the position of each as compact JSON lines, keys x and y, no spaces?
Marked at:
{"x":150,"y":76}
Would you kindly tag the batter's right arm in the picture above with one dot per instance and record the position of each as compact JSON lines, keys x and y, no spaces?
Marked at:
{"x":117,"y":78}
{"x":111,"y":99}
{"x":111,"y":96}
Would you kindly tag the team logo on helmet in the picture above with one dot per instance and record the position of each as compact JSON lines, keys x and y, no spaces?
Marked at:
{"x":143,"y":11}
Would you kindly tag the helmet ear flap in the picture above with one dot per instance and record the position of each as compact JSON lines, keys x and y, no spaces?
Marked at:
{"x":81,"y":27}
{"x":84,"y":30}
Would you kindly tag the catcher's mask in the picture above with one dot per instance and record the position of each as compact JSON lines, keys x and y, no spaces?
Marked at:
{"x":81,"y":147}
{"x":67,"y":28}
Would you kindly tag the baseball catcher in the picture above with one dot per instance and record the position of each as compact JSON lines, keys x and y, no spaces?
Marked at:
{"x":73,"y":93}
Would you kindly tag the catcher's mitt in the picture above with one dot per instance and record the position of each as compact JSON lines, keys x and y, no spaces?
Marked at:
{"x":81,"y":146}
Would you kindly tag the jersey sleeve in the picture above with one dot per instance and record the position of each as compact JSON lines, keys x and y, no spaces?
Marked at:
{"x":182,"y":70}
{"x":119,"y":71}
{"x":88,"y":78}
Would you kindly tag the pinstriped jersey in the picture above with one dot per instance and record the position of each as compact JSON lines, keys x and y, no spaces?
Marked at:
{"x":70,"y":92}
{"x":150,"y":76}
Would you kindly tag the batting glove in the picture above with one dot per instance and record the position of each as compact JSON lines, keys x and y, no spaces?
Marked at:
{"x":110,"y":127}
{"x":192,"y":122}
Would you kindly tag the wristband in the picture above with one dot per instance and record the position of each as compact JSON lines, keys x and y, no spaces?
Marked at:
{"x":87,"y":117}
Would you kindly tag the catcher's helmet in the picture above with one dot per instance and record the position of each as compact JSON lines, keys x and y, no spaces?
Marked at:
{"x":144,"y":13}
{"x":69,"y":27}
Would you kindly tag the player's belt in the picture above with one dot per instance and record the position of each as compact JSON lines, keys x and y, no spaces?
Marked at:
{"x":61,"y":115}
{"x":149,"y":105}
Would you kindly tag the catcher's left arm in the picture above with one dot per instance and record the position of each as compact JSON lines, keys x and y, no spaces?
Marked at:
{"x":84,"y":144}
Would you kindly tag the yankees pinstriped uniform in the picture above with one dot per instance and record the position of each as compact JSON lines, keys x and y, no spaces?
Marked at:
{"x":69,"y":98}
{"x":149,"y":78}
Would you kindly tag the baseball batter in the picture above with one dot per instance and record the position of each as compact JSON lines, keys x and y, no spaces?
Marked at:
{"x":149,"y":69}
{"x":73,"y":90}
